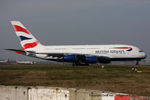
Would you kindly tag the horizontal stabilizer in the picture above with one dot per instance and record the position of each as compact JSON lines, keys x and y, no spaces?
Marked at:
{"x":16,"y":50}
{"x":21,"y":51}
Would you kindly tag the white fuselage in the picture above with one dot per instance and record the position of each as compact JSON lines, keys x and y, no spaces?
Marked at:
{"x":91,"y":50}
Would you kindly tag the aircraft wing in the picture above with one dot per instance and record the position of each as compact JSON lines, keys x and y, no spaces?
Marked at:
{"x":59,"y":54}
{"x":32,"y":52}
{"x":53,"y":54}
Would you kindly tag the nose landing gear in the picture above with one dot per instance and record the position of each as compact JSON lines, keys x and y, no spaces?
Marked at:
{"x":137,"y":67}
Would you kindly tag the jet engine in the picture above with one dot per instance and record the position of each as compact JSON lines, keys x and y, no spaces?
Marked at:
{"x":70,"y":58}
{"x":104,"y":59}
{"x":91,"y":59}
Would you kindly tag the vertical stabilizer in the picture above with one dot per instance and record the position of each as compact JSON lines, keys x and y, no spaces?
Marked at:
{"x":27,"y":40}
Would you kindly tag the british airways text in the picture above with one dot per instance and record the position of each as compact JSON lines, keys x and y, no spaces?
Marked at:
{"x":110,"y":51}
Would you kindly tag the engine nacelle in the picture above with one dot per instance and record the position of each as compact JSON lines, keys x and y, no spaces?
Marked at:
{"x":91,"y":59}
{"x":104,"y":60}
{"x":70,"y":58}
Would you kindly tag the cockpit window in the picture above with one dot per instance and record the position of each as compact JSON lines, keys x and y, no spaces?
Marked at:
{"x":140,"y":50}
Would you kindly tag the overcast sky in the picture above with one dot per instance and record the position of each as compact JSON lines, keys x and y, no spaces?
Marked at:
{"x":56,"y":22}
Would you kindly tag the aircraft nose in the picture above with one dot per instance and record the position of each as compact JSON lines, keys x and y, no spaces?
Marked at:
{"x":144,"y":55}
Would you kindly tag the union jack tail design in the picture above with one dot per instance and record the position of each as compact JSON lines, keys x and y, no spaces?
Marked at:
{"x":27,"y":40}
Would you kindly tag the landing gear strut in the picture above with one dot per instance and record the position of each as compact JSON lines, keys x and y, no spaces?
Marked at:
{"x":137,"y":62}
{"x":136,"y":67}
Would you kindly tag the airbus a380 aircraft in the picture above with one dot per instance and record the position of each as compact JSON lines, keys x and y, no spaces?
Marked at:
{"x":76,"y":54}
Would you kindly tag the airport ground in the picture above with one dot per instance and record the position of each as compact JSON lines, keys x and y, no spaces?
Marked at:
{"x":114,"y":78}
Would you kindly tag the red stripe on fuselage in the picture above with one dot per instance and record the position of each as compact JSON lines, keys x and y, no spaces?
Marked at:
{"x":20,"y":29}
{"x":122,"y":47}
